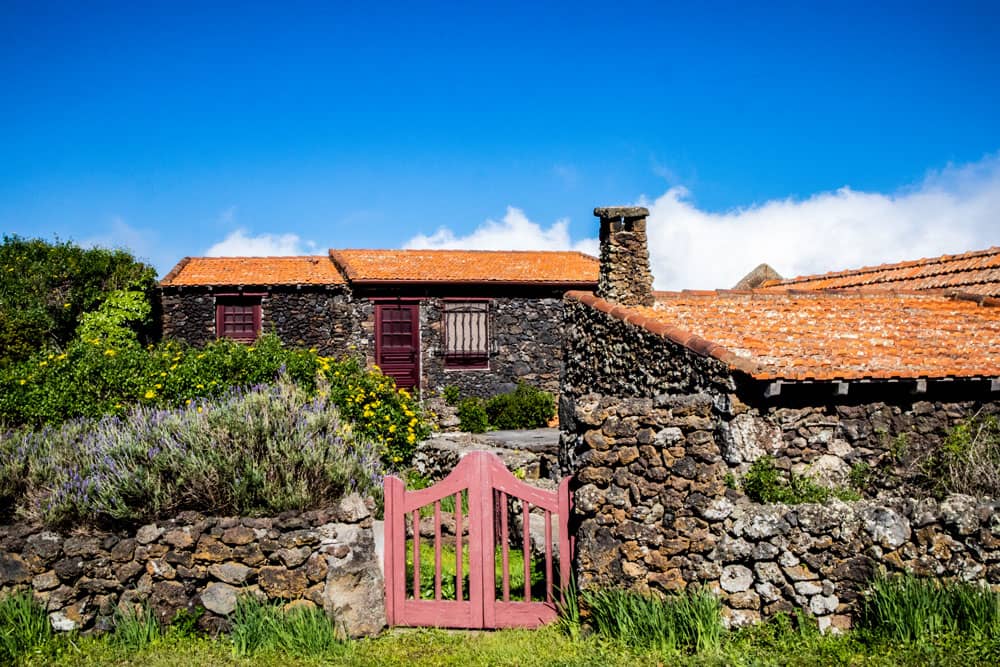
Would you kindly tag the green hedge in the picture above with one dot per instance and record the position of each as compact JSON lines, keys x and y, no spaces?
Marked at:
{"x":525,"y":407}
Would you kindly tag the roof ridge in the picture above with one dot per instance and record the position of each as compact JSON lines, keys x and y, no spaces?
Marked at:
{"x":478,"y":250}
{"x":875,"y":268}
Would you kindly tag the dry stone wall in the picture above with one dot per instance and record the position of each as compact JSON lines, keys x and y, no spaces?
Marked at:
{"x":655,"y":436}
{"x":325,"y":318}
{"x":527,"y":347}
{"x":323,"y":558}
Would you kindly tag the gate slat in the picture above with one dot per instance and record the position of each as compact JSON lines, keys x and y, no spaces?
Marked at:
{"x":505,"y":547}
{"x":526,"y":548}
{"x":437,"y":549}
{"x":459,"y":529}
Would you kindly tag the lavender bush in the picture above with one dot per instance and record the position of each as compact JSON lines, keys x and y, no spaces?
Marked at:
{"x":258,"y":451}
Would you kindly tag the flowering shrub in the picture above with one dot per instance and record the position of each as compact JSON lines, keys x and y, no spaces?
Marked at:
{"x":257,"y":451}
{"x":93,"y":378}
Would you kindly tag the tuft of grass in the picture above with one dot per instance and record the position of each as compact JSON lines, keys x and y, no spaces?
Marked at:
{"x":259,"y":627}
{"x":764,"y":483}
{"x":911,"y":609}
{"x":24,"y":627}
{"x":135,"y":629}
{"x":688,"y":622}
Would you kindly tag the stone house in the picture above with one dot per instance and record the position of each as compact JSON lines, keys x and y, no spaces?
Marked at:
{"x":667,"y":398}
{"x":479,"y":320}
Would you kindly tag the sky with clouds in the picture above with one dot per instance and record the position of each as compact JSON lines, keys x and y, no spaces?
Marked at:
{"x":812,"y":139}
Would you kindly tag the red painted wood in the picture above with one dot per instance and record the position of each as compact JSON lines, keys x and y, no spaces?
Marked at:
{"x":397,"y":342}
{"x":459,"y":529}
{"x":504,"y":547}
{"x":548,"y":556}
{"x":416,"y":554}
{"x":526,"y":548}
{"x":437,"y":549}
{"x":489,"y":486}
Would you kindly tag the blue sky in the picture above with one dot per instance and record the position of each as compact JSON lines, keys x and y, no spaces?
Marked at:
{"x":296,"y":127}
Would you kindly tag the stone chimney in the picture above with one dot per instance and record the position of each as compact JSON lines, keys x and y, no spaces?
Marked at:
{"x":625,"y":277}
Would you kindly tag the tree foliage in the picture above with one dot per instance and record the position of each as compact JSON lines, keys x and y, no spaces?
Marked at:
{"x":45,"y":288}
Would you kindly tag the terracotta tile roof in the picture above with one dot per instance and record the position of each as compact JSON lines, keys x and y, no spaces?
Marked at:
{"x":515,"y":266}
{"x":253,"y":271}
{"x":829,"y":335}
{"x":976,"y":272}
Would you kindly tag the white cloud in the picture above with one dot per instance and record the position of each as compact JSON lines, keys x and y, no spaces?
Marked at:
{"x":514,"y":232}
{"x":952,"y":210}
{"x":239,"y":243}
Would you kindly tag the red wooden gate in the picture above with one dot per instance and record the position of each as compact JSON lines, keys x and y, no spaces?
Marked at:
{"x":397,"y":342}
{"x":473,"y":564}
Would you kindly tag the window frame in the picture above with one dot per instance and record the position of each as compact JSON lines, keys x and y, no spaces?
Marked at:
{"x":466,"y":362}
{"x":243,"y":300}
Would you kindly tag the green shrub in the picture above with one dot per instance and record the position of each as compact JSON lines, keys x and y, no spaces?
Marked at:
{"x":472,"y":415}
{"x":46,"y":287}
{"x":907,"y":608}
{"x":259,"y":627}
{"x":24,"y":626}
{"x":689,"y":622}
{"x":452,"y":395}
{"x":93,"y":379}
{"x":260,"y":451}
{"x":764,"y":483}
{"x":525,"y":407}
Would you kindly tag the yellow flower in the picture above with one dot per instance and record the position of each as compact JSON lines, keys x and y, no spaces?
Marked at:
{"x":411,"y":438}
{"x":199,"y":386}
{"x":163,"y":374}
{"x":174,"y":367}
{"x":199,"y":408}
{"x":24,"y":382}
{"x":61,"y":357}
{"x":187,"y":402}
{"x":43,"y":363}
{"x":65,"y":305}
{"x":392,"y":429}
{"x":150,"y":393}
{"x":158,"y":385}
{"x":200,"y":356}
{"x":109,"y":353}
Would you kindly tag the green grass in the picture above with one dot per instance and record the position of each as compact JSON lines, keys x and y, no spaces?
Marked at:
{"x":515,"y":559}
{"x":771,"y":644}
{"x":623,"y":629}
{"x":689,"y":622}
{"x":908,"y":608}
{"x":23,"y":627}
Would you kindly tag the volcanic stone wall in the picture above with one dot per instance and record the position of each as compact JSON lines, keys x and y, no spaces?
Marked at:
{"x":326,"y":318}
{"x":656,"y":435}
{"x":320,"y":558}
{"x":526,"y":343}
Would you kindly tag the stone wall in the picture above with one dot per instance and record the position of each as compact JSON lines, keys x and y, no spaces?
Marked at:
{"x":526,"y":342}
{"x":655,"y":434}
{"x":326,"y":318}
{"x":322,"y":558}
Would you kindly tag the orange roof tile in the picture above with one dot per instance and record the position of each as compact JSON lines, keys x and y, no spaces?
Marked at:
{"x":516,"y":266}
{"x":976,"y":272}
{"x":253,"y":271}
{"x":828,"y":335}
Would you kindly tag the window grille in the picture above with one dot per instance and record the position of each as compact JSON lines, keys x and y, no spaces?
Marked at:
{"x":467,"y":334}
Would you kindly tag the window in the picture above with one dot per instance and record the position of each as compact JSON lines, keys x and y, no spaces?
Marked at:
{"x":466,"y":334}
{"x":237,"y":317}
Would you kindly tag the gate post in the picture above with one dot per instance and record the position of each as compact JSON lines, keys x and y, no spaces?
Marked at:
{"x":394,"y":556}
